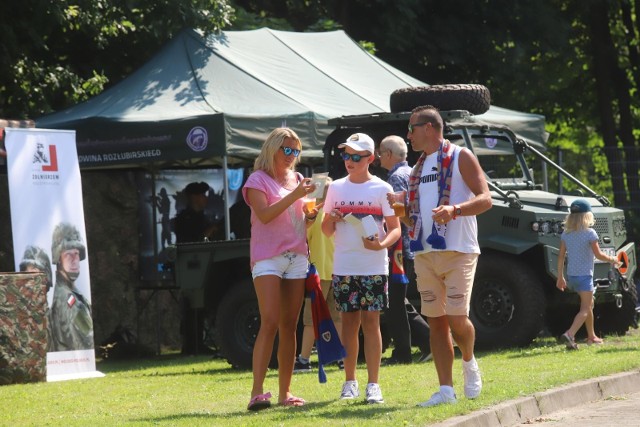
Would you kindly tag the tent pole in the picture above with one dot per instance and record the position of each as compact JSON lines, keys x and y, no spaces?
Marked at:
{"x":227,"y":221}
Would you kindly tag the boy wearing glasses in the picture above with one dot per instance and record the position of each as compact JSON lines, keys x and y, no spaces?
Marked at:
{"x":360,"y":265}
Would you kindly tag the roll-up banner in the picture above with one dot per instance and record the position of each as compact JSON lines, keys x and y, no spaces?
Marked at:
{"x":47,"y":220}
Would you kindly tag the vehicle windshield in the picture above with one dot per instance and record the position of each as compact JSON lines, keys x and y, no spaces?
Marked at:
{"x":502,"y":168}
{"x":500,"y":163}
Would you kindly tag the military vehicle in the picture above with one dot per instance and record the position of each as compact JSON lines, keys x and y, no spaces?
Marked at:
{"x":514,"y":294}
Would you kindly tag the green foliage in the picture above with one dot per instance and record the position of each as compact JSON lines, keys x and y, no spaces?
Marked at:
{"x":187,"y":391}
{"x":534,"y":56}
{"x":582,"y":156}
{"x":245,"y":21}
{"x":368,"y":46}
{"x":57,"y":53}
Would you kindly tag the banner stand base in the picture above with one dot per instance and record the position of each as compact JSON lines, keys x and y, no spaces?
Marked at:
{"x":75,"y":376}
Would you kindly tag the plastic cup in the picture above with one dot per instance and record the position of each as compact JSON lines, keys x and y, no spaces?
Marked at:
{"x":310,"y":203}
{"x":398,"y":205}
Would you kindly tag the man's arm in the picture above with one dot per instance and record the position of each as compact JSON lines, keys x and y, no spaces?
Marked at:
{"x":474,"y":177}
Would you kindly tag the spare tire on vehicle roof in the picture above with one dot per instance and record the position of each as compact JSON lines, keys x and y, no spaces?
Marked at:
{"x":474,"y":98}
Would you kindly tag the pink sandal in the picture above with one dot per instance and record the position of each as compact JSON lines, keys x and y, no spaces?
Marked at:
{"x":259,"y":401}
{"x":293,"y":401}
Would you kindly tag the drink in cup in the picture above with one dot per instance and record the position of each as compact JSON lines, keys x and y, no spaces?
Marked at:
{"x":398,"y":204}
{"x":310,"y":203}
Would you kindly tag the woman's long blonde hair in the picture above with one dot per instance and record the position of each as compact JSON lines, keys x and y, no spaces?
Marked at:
{"x":266,"y":159}
{"x":578,"y":221}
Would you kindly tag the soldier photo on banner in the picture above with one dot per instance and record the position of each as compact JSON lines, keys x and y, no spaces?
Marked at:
{"x":43,"y":171}
{"x":36,"y":260}
{"x":70,"y":315}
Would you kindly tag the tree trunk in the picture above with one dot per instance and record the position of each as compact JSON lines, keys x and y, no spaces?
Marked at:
{"x":602,"y":58}
{"x":632,"y":38}
{"x":623,"y":89}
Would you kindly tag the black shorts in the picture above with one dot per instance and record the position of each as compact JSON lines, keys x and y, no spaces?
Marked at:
{"x":355,"y":293}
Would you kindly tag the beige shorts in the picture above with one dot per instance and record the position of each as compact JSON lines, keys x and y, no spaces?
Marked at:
{"x":445,"y":280}
{"x":307,"y":318}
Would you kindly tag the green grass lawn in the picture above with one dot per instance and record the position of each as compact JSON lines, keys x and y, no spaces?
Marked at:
{"x":185,"y":391}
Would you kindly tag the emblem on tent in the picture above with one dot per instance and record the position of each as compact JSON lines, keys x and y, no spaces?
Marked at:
{"x":198,"y":138}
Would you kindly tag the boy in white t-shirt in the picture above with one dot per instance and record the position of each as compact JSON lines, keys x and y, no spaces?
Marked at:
{"x":360,"y":265}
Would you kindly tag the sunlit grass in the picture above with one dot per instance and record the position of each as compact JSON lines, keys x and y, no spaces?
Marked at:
{"x":181,"y":391}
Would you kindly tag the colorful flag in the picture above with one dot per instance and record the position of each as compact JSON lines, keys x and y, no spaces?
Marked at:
{"x":328,"y":344}
{"x":396,"y":273}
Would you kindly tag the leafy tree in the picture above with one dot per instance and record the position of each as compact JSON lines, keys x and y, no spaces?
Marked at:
{"x":578,"y":63}
{"x":56,"y":53}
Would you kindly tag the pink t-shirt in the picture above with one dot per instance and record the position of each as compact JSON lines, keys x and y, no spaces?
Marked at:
{"x":286,"y":232}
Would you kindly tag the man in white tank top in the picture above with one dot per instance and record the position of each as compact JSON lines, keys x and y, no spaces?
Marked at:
{"x":447,"y":189}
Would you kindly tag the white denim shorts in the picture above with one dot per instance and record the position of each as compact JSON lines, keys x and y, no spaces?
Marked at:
{"x":287,"y":265}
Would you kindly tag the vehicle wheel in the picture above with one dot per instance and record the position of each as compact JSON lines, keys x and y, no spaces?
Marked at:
{"x":237,"y":326}
{"x":471,"y":97}
{"x":507,"y":302}
{"x":610,"y":319}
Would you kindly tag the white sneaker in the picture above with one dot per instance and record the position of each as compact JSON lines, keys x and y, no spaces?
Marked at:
{"x":472,"y":380}
{"x":374,"y":395}
{"x":350,"y":390}
{"x":439,"y":398}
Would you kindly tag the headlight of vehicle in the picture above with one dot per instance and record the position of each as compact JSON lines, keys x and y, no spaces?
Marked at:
{"x":558,"y":227}
{"x":547,"y":227}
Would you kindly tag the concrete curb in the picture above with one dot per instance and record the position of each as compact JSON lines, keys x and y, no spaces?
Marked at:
{"x":520,"y":410}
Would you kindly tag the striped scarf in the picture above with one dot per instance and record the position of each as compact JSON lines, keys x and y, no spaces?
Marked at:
{"x":446,"y":155}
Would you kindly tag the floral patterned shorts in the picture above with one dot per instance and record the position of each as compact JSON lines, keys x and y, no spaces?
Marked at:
{"x":355,"y":293}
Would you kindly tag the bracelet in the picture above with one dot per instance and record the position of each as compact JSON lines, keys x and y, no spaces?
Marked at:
{"x":310,"y":218}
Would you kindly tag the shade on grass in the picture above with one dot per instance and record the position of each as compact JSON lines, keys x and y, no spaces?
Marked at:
{"x":186,"y":391}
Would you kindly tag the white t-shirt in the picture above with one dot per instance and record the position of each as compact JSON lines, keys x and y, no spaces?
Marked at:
{"x":368,"y":198}
{"x":580,"y":256}
{"x":462,"y":233}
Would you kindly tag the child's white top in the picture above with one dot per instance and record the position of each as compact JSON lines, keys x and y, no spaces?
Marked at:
{"x":579,"y":253}
{"x":368,"y":198}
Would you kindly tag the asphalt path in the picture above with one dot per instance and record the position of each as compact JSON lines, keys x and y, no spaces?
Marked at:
{"x":613,"y":400}
{"x":618,"y":411}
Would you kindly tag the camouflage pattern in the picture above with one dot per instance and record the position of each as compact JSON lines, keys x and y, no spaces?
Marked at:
{"x":23,"y":328}
{"x":71,"y":323}
{"x":36,"y":257}
{"x":66,"y":236}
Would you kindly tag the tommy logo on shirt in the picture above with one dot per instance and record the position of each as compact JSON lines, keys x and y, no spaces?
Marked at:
{"x":359,"y":208}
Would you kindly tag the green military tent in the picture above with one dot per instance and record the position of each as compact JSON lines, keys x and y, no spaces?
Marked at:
{"x":204,"y":97}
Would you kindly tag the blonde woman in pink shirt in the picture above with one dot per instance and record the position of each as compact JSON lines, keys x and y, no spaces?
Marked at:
{"x":279,"y":258}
